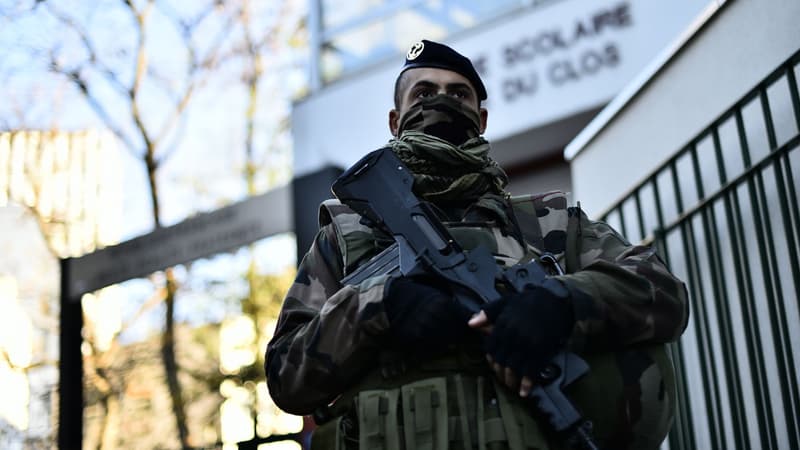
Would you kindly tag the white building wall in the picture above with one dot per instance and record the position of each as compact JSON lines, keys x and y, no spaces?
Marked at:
{"x":737,"y":48}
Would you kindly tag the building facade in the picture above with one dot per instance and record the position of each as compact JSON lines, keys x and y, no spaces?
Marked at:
{"x":700,"y":157}
{"x":549,"y":67}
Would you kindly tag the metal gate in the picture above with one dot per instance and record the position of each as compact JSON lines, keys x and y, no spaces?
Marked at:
{"x":723,"y":212}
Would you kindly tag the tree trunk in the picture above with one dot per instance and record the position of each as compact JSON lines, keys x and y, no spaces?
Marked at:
{"x":168,"y":339}
{"x":171,"y":365}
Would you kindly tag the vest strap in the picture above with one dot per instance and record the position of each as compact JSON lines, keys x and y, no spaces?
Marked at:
{"x":464,"y":411}
{"x":572,"y":255}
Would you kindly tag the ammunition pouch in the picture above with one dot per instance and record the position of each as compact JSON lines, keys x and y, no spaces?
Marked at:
{"x":377,"y":419}
{"x":438,"y":413}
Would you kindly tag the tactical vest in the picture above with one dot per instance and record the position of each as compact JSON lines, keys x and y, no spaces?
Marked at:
{"x":455,"y":402}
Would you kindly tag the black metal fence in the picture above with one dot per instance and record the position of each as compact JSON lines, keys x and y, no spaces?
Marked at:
{"x":723,"y":212}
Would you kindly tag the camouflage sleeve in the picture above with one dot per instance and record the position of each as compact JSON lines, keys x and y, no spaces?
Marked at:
{"x":632,"y":297}
{"x":326,"y":334}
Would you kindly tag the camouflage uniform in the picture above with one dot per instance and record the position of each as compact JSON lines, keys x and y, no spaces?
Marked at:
{"x":327,"y":344}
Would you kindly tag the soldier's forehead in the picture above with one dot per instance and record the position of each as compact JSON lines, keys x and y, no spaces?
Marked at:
{"x":434,"y":75}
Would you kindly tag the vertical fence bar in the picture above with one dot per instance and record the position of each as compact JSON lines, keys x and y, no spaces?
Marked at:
{"x":720,"y":299}
{"x":751,"y":325}
{"x":705,"y":348}
{"x":792,"y":80}
{"x":697,"y":298}
{"x":683,"y":435}
{"x":794,"y":211}
{"x":793,"y":207}
{"x":769,"y":269}
{"x":639,"y":215}
{"x":781,"y":338}
{"x":663,"y":250}
{"x":673,"y":169}
{"x":723,"y":297}
{"x":695,"y":293}
{"x":769,"y":438}
{"x":623,"y":227}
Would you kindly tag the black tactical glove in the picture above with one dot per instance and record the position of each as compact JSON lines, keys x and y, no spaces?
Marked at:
{"x":422,"y":316}
{"x":530,"y":327}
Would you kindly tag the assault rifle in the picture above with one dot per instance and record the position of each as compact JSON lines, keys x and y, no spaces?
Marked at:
{"x":378,"y":187}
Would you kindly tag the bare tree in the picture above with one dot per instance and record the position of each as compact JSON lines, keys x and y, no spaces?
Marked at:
{"x":108,"y":78}
{"x":110,"y":53}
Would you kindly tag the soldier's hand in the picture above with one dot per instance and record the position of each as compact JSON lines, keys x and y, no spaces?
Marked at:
{"x":528,"y":329}
{"x":422,"y":316}
{"x":480,"y":322}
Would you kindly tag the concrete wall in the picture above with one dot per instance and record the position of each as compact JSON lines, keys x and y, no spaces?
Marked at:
{"x":741,"y":43}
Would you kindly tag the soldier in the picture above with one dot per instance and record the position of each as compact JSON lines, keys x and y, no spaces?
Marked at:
{"x":395,"y":363}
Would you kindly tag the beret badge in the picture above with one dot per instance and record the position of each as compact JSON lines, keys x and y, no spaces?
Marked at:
{"x":415,"y":50}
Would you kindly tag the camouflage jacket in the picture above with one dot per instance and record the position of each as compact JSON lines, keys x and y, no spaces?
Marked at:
{"x":328,"y":334}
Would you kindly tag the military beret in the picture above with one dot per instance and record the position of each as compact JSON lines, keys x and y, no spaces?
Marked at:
{"x":427,"y":53}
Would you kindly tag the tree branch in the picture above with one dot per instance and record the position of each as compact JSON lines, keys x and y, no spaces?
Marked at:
{"x":75,"y":77}
{"x":94,"y":60}
{"x":77,"y":80}
{"x":194,"y":69}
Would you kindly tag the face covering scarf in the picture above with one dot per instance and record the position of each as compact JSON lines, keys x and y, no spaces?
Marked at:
{"x":445,"y":172}
{"x":444,"y":117}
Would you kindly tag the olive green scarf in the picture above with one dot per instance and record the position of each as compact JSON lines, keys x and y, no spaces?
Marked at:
{"x":446,"y":173}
